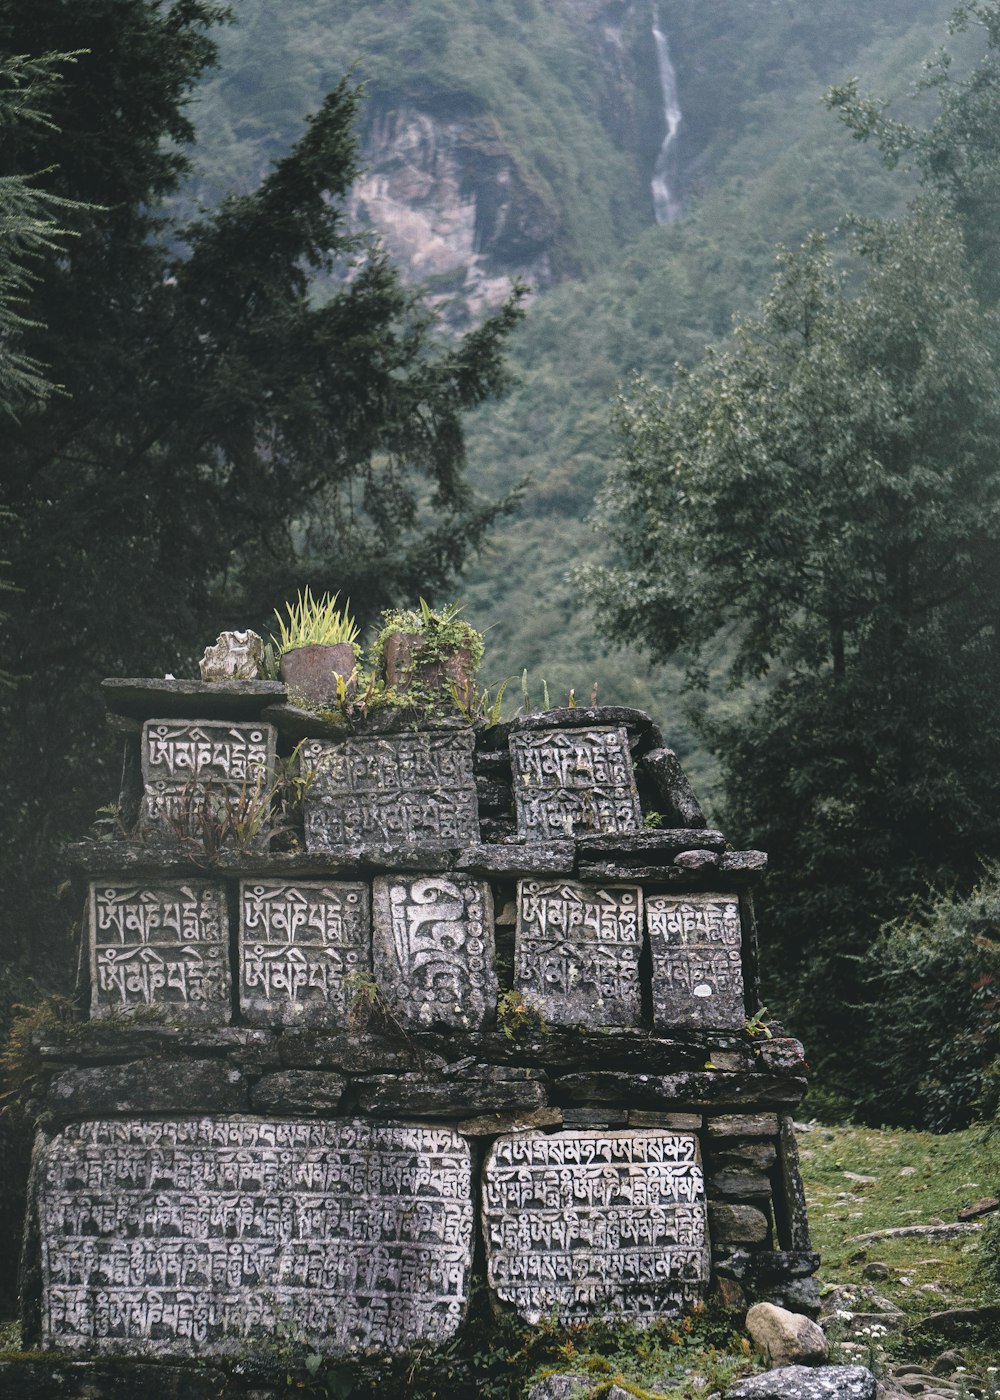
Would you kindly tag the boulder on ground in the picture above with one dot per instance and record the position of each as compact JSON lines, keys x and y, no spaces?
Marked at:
{"x":786,"y":1338}
{"x":808,"y":1383}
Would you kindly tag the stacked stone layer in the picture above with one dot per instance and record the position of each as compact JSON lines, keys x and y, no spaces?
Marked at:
{"x":277,"y":1113}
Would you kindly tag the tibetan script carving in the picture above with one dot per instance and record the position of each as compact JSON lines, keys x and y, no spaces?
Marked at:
{"x":569,"y":782}
{"x":164,"y":944}
{"x":592,"y":1223}
{"x":186,"y":765}
{"x":433,"y":949}
{"x":402,"y":788}
{"x":189,"y":1237}
{"x":695,"y":941}
{"x":298,"y":945}
{"x":577,"y":952}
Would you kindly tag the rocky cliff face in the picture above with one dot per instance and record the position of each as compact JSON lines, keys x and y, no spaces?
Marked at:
{"x":460,"y":206}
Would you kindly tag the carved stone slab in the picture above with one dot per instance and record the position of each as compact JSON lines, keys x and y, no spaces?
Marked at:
{"x":298,"y":945}
{"x":214,"y":754}
{"x":695,"y":941}
{"x":195,"y":1236}
{"x":568,"y":782}
{"x":433,"y":949}
{"x":592,"y":1223}
{"x":576,"y":952}
{"x":416,"y":787}
{"x":163,"y":944}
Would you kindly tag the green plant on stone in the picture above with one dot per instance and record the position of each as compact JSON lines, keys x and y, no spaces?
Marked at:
{"x":517,"y":1015}
{"x":315,"y":622}
{"x":756,"y":1025}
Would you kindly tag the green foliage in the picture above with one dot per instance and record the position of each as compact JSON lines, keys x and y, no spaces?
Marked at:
{"x":934,"y":988}
{"x":518,"y":1016}
{"x":313,"y":621}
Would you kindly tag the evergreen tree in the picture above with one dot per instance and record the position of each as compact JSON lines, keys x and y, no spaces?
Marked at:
{"x":251,"y":402}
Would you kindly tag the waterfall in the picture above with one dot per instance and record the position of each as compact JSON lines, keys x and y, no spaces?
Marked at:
{"x":666,"y":204}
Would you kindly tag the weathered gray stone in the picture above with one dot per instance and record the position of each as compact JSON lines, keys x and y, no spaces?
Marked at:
{"x":595,"y":1118}
{"x":575,"y":1387}
{"x":236,"y":656}
{"x":676,"y":1122}
{"x":414,"y":787}
{"x":785,"y":1338}
{"x":676,"y":795}
{"x":807,"y":1383}
{"x":142,"y":698}
{"x":658,"y":846}
{"x":58,"y":1378}
{"x":731,"y":1224}
{"x":744,"y":863}
{"x":740,"y":1125}
{"x":188,"y":1237}
{"x":551,"y":858}
{"x":494,"y":798}
{"x":433,"y":950}
{"x":494,"y":1124}
{"x":577,"y":952}
{"x":695,"y":941}
{"x":570,"y":781}
{"x":299,"y":944}
{"x":298,"y":1091}
{"x":356,"y":1054}
{"x":587,"y":1223}
{"x":790,"y":1205}
{"x":636,"y":722}
{"x":162,"y":944}
{"x":708,"y":1089}
{"x":188,"y":765}
{"x":698,"y":860}
{"x":484,"y":1090}
{"x":739,"y":1183}
{"x":148,"y":1086}
{"x":753,"y":1154}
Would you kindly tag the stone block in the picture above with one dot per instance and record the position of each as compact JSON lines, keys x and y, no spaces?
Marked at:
{"x":676,"y":1122}
{"x":495,"y":1124}
{"x":790,"y":1205}
{"x":753,"y":1154}
{"x":551,"y":858}
{"x":299,"y":1092}
{"x":707,"y":1089}
{"x":189,"y":1237}
{"x":808,"y":1383}
{"x":697,"y":861}
{"x":740,"y":1125}
{"x":355,"y":1054}
{"x":743,"y":863}
{"x":299,"y":943}
{"x":188,"y":764}
{"x":655,"y":847}
{"x":570,"y":781}
{"x":148,"y":1086}
{"x":486,"y":1089}
{"x":695,"y":941}
{"x":786,"y":1338}
{"x":739,"y":1184}
{"x":586,"y":1224}
{"x":736,"y":1224}
{"x":676,"y":795}
{"x":162,"y":944}
{"x":141,"y":697}
{"x":398,"y":788}
{"x":433,"y":950}
{"x":577,"y":951}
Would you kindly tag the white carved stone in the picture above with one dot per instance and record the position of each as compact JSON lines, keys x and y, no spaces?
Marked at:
{"x":586,"y":1224}
{"x":299,"y":944}
{"x":416,"y":787}
{"x":192,"y":1237}
{"x":696,"y":942}
{"x":236,"y":656}
{"x":202,"y":760}
{"x":573,"y":782}
{"x":577,"y":950}
{"x":163,"y":944}
{"x":433,"y":949}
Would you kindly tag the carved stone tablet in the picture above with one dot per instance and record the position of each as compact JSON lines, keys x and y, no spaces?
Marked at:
{"x":577,"y":952}
{"x":195,"y":1236}
{"x":186,"y":763}
{"x":695,"y":941}
{"x":163,"y":944}
{"x":298,"y":945}
{"x":568,"y":782}
{"x":401,"y":788}
{"x":433,"y":949}
{"x":592,"y":1223}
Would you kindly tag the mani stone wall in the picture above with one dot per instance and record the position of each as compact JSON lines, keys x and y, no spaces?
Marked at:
{"x":478,"y":1018}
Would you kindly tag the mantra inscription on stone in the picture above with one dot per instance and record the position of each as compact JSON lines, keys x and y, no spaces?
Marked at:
{"x":569,"y":782}
{"x":185,"y":765}
{"x":576,"y":954}
{"x":696,"y":941}
{"x":433,"y":949}
{"x":591,"y":1223}
{"x":163,"y":944}
{"x":413,"y":787}
{"x":193,"y":1236}
{"x":298,"y":945}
